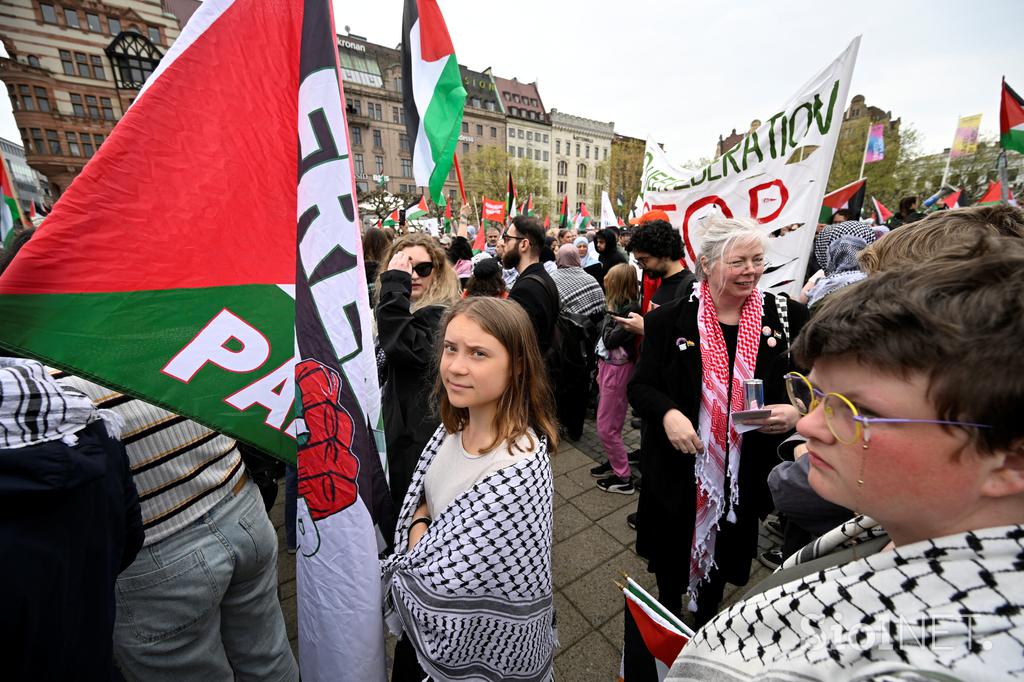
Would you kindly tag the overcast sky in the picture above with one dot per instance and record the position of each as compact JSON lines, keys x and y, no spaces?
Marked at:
{"x":688,"y":71}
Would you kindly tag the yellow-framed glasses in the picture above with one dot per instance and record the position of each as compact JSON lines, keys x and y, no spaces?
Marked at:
{"x":842,"y":417}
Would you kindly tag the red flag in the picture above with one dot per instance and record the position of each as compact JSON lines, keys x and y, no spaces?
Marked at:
{"x":953,"y":200}
{"x":480,"y":241}
{"x":493,"y":210}
{"x":882,"y":214}
{"x":994,"y":194}
{"x":547,"y":222}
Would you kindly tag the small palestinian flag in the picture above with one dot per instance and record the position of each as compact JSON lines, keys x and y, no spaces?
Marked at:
{"x":953,"y":200}
{"x":662,"y":634}
{"x":582,"y":218}
{"x":563,"y":221}
{"x":528,"y":206}
{"x":882,"y":214}
{"x":432,"y":94}
{"x":510,"y":197}
{"x":393,"y":219}
{"x":1011,"y":120}
{"x":547,"y":222}
{"x":850,"y":198}
{"x":994,"y":194}
{"x":10,"y":215}
{"x":448,"y":218}
{"x":417,"y":210}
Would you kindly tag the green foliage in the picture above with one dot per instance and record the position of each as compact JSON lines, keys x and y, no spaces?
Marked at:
{"x":485,"y":173}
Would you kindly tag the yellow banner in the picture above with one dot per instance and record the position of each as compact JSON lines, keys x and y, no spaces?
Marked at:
{"x":966,"y":140}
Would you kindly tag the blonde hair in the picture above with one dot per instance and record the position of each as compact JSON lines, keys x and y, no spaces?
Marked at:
{"x":722,"y":234}
{"x":443,"y":289}
{"x":620,"y":286}
{"x":528,"y":401}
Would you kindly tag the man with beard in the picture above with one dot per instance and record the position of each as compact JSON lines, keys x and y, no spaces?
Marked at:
{"x":534,"y":289}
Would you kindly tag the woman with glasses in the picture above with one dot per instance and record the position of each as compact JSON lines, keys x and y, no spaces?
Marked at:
{"x":704,"y":476}
{"x":413,"y":294}
{"x":912,"y":418}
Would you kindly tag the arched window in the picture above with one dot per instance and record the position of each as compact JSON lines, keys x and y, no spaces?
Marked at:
{"x":134,"y":59}
{"x":581,"y":171}
{"x":563,"y":168}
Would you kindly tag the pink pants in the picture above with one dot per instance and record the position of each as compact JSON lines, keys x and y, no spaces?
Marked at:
{"x":611,"y":413}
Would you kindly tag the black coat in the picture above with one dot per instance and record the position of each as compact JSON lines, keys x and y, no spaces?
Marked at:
{"x":69,"y":523}
{"x":667,"y":378}
{"x":536,"y":292}
{"x":408,"y":340}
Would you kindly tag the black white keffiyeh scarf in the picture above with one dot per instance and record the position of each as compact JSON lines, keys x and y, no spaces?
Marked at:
{"x":35,"y":409}
{"x":474,"y":595}
{"x":942,"y":609}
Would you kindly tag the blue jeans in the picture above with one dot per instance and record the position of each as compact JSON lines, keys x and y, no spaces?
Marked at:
{"x":202,"y":604}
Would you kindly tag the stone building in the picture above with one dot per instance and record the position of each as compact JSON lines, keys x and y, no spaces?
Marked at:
{"x":483,"y":119}
{"x":75,"y":68}
{"x":582,"y":149}
{"x":529,"y":126}
{"x":29,"y":185}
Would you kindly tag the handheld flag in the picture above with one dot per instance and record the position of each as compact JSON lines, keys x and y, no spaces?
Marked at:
{"x":1011,"y":119}
{"x":528,"y":206}
{"x":882,"y":214}
{"x":662,"y":633}
{"x":953,"y":200}
{"x":493,"y":210}
{"x":875,"y":149}
{"x":393,"y":219}
{"x":448,"y":218}
{"x":582,"y":218}
{"x":547,"y":222}
{"x":510,"y":197}
{"x":608,"y":218}
{"x":417,"y":210}
{"x":965,"y":141}
{"x":222,"y":331}
{"x":850,"y":198}
{"x":993,"y":194}
{"x":432,"y":94}
{"x":563,"y":221}
{"x":10,"y":215}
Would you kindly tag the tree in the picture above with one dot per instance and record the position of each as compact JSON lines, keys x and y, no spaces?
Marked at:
{"x":889,"y":179}
{"x":380,"y":202}
{"x":625,"y":169}
{"x":485,"y":173}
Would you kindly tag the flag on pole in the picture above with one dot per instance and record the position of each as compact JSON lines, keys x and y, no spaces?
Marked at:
{"x":432,"y":94}
{"x":563,"y":221}
{"x":448,"y":218}
{"x":952,"y":200}
{"x":417,"y":210}
{"x":493,"y":210}
{"x":10,"y":215}
{"x":547,"y":221}
{"x":663,"y":634}
{"x":882,"y":214}
{"x":966,"y":139}
{"x":1011,"y":119}
{"x":850,"y":198}
{"x":582,"y":218}
{"x":510,"y":197}
{"x":993,"y":195}
{"x":222,"y":331}
{"x":876,"y":144}
{"x":608,"y":218}
{"x":393,"y":218}
{"x":528,"y":206}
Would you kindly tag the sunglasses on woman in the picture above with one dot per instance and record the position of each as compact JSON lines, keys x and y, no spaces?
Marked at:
{"x":842,"y":417}
{"x":423,"y":269}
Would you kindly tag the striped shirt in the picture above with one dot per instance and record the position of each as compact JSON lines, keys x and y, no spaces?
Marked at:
{"x":181,"y":468}
{"x":578,"y":292}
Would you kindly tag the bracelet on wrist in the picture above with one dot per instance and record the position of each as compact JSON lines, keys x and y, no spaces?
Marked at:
{"x":423,"y":519}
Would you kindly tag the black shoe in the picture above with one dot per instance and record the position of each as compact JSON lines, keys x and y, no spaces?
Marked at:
{"x":634,"y":456}
{"x":631,"y":520}
{"x":771,"y":559}
{"x":614,"y":484}
{"x":601,"y":470}
{"x":774,"y":527}
{"x":635,"y":423}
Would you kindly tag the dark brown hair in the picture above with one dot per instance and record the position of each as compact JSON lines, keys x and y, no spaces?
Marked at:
{"x":956,"y":319}
{"x":375,"y":245}
{"x":527,"y":403}
{"x":944,"y":231}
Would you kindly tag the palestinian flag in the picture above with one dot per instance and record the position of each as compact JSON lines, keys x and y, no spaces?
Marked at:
{"x":510,"y":197}
{"x":882,"y":214}
{"x":582,"y":218}
{"x":393,"y":218}
{"x":563,"y":221}
{"x":223,"y":329}
{"x":849,"y":197}
{"x":10,"y":215}
{"x":528,"y":206}
{"x":994,"y":194}
{"x":661,"y":634}
{"x":547,"y":222}
{"x":432,"y":94}
{"x":1011,"y":120}
{"x":448,"y":218}
{"x":417,"y":210}
{"x":953,"y":200}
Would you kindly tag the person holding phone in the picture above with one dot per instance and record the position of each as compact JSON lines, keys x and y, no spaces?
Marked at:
{"x":705,"y":483}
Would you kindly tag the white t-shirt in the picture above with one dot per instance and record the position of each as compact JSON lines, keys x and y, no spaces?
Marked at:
{"x":454,"y":471}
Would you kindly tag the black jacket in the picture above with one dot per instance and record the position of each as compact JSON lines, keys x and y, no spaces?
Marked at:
{"x":615,"y":335}
{"x":540,"y":301}
{"x":408,"y":340}
{"x":69,"y":524}
{"x":669,"y":378}
{"x":612,"y":255}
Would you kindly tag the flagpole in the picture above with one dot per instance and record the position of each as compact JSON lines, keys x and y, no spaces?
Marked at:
{"x":864,"y":156}
{"x":949,"y":157}
{"x":458,"y":174}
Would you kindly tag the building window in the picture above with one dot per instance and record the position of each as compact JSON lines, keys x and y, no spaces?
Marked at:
{"x":513,"y":111}
{"x":362,"y":187}
{"x":529,"y":135}
{"x":108,"y":109}
{"x":83,"y":65}
{"x":519,"y":134}
{"x":37,"y":141}
{"x":97,"y":67}
{"x":114,"y":25}
{"x":558,"y":146}
{"x":134,"y":59}
{"x":358,"y":161}
{"x":588,"y":151}
{"x":407,"y":168}
{"x":545,"y":137}
{"x":511,"y":150}
{"x":378,"y":162}
{"x":577,"y":150}
{"x":357,"y":107}
{"x":76,"y":105}
{"x":65,"y":60}
{"x":33,"y":60}
{"x":87,"y":150}
{"x":403,"y":142}
{"x":581,"y":171}
{"x":465,"y":127}
{"x":357,"y":135}
{"x":545,"y":155}
{"x":93,"y":21}
{"x":27,"y":103}
{"x":479,"y":129}
{"x":563,"y":168}
{"x":490,"y":106}
{"x":511,"y":132}
{"x":154,"y":34}
{"x":529,"y":153}
{"x":54,"y":139}
{"x":49,"y":15}
{"x":494,"y":131}
{"x":376,"y":111}
{"x":465,"y":148}
{"x":606,"y":153}
{"x":475,"y":102}
{"x":397,"y":115}
{"x":561,"y":186}
{"x":92,"y":106}
{"x":73,"y":144}
{"x":71,"y":18}
{"x":581,"y":190}
{"x":519,"y":152}
{"x":377,"y":139}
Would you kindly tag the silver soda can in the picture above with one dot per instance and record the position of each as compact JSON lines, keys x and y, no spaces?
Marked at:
{"x":753,"y":394}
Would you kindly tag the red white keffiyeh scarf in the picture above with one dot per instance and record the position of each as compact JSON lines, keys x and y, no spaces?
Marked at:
{"x":714,"y":426}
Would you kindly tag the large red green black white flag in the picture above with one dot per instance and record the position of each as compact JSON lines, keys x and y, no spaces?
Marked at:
{"x":432,"y":93}
{"x":214,"y":282}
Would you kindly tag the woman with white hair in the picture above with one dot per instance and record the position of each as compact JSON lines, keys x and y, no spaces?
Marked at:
{"x":705,"y":475}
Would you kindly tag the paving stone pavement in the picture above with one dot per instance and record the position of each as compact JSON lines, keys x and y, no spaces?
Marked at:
{"x":593,"y":546}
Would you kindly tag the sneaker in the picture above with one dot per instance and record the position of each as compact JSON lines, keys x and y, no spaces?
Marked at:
{"x":614,"y":484}
{"x":601,"y":470}
{"x":771,"y":559}
{"x":631,"y":520}
{"x":774,"y":526}
{"x":634,"y":456}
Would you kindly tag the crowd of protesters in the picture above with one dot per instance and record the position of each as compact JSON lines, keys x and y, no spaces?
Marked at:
{"x":885,"y":446}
